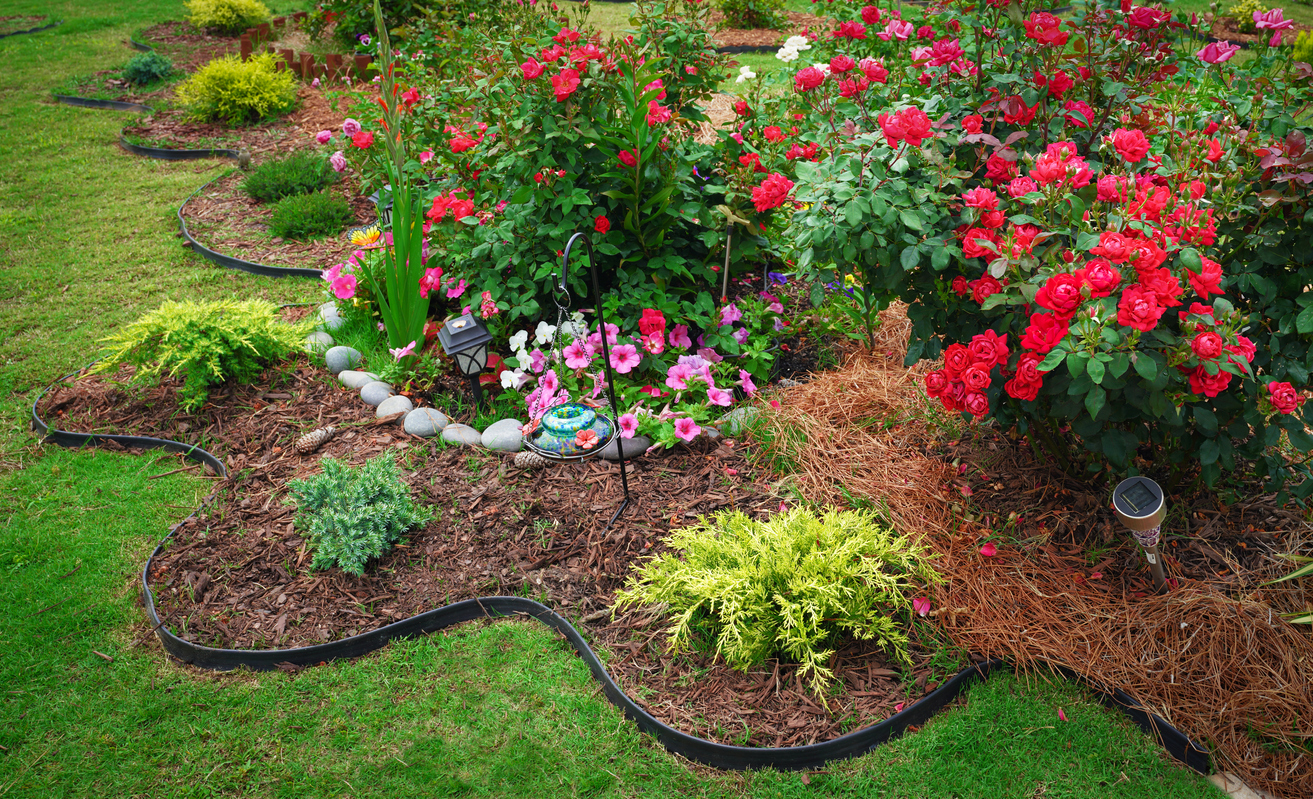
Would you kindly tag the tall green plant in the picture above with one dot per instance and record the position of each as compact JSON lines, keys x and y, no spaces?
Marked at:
{"x":398,"y":294}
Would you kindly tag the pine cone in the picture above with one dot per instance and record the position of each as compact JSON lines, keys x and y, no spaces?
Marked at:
{"x":528,"y":459}
{"x":314,"y":440}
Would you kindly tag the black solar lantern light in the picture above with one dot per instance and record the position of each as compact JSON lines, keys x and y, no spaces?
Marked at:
{"x":465,"y":339}
{"x":1140,"y":505}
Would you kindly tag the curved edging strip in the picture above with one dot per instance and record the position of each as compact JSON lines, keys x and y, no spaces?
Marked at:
{"x":701,"y":750}
{"x":32,"y":30}
{"x":231,"y":262}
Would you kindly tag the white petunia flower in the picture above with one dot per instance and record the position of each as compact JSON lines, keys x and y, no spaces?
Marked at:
{"x":514,"y":379}
{"x":519,"y":340}
{"x":544,"y":333}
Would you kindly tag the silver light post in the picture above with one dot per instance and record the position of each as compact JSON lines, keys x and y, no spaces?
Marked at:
{"x":1140,"y":505}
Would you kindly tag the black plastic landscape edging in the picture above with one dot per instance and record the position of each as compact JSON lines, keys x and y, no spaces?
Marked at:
{"x":710,"y":753}
{"x":237,"y":263}
{"x":32,"y":30}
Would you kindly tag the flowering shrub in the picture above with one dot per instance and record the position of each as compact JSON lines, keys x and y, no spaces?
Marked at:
{"x":1087,"y":258}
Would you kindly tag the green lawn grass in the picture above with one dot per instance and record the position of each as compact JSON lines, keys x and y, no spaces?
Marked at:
{"x":87,"y":243}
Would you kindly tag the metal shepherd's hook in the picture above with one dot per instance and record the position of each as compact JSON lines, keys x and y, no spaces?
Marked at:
{"x":606,"y":355}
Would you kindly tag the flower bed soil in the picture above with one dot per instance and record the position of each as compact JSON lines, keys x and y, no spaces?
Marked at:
{"x":170,"y":128}
{"x":227,"y":220}
{"x":18,"y":24}
{"x":237,"y":574}
{"x":764,"y":37}
{"x":1228,"y":29}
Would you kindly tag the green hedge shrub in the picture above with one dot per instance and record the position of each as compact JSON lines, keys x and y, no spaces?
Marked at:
{"x":789,"y":585}
{"x":226,"y":16}
{"x":208,"y":342}
{"x":309,"y":216}
{"x":238,"y":92}
{"x":147,"y":68}
{"x":352,"y":514}
{"x":303,"y":172}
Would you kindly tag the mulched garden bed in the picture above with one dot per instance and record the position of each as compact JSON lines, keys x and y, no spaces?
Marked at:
{"x":237,"y":574}
{"x":1228,"y":29}
{"x":764,"y":37}
{"x":18,"y":24}
{"x":227,"y":220}
{"x":171,"y":128}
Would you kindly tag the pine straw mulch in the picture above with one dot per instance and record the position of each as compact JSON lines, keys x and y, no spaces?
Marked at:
{"x":227,"y":220}
{"x":172,"y":129}
{"x":237,"y":574}
{"x":1212,"y":656}
{"x":764,"y":37}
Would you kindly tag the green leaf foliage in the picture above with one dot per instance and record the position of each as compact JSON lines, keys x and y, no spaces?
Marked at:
{"x":207,"y":342}
{"x":309,"y":216}
{"x":147,"y":68}
{"x":238,"y":92}
{"x":352,"y":514}
{"x":789,"y":586}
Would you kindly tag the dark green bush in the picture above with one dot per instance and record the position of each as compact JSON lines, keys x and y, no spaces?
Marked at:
{"x":303,"y":172}
{"x":146,"y":68}
{"x":753,"y":13}
{"x":309,"y":216}
{"x":353,"y":514}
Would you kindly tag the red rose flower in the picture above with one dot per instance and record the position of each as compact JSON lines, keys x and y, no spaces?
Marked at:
{"x":1208,"y":280}
{"x":1244,"y":348}
{"x":363,"y":139}
{"x":1043,"y":28}
{"x":976,"y":404}
{"x":1165,"y":286}
{"x":1000,"y":169}
{"x":772,"y":192}
{"x":652,"y":321}
{"x":960,"y":287}
{"x":989,"y":349}
{"x":1101,"y":276}
{"x":531,"y":68}
{"x":628,"y":157}
{"x":741,"y":108}
{"x":841,"y":64}
{"x":984,"y":287}
{"x":564,"y":84}
{"x":971,"y":124}
{"x":808,"y":78}
{"x":976,"y":377}
{"x":1146,"y":254}
{"x":1207,"y":346}
{"x":601,"y":224}
{"x":1113,"y":246}
{"x":1130,"y":144}
{"x":974,"y":241}
{"x":1284,"y":397}
{"x":982,"y":198}
{"x":957,"y":359}
{"x":936,"y":384}
{"x":1139,"y":309}
{"x":1044,"y":332}
{"x":1061,"y":294}
{"x":1209,"y":385}
{"x":773,"y":134}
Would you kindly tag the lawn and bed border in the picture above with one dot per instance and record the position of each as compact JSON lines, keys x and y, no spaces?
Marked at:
{"x":701,"y":750}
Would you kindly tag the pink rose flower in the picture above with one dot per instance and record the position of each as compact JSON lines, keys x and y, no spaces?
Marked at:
{"x":426,"y":156}
{"x":324,"y":136}
{"x":337,"y":161}
{"x":351,"y":127}
{"x":1217,"y":52}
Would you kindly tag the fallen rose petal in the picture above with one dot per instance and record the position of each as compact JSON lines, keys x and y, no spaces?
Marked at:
{"x":921,"y":605}
{"x":1061,"y":715}
{"x":989,"y":550}
{"x":898,"y":708}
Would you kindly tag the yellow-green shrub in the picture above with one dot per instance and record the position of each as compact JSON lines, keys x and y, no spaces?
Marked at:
{"x":226,"y":16}
{"x":1243,"y":13}
{"x":236,"y":92}
{"x":1303,"y":48}
{"x":791,"y":585}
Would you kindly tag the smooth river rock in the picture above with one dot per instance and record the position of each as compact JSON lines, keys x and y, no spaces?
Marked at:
{"x":425,"y":422}
{"x":461,"y":434}
{"x":503,"y":436}
{"x":329,"y":317}
{"x":356,"y":380}
{"x":393,"y":405}
{"x":339,"y":359}
{"x":737,"y":421}
{"x":374,"y":393}
{"x":631,"y":447}
{"x":318,"y":342}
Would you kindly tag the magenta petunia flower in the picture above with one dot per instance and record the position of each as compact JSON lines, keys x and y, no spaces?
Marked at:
{"x":678,"y":376}
{"x":745,"y":380}
{"x":679,"y":337}
{"x":687,"y":429}
{"x":719,"y":396}
{"x":709,"y":355}
{"x":624,"y":358}
{"x":549,"y":382}
{"x":344,"y":286}
{"x":537,"y":361}
{"x":730,"y":314}
{"x":628,"y":425}
{"x":578,"y":355}
{"x":741,"y":335}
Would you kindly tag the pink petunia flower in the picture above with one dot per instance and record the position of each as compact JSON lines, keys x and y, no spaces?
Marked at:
{"x":921,"y":605}
{"x":537,"y":361}
{"x":678,"y":375}
{"x":730,"y":314}
{"x":628,"y":425}
{"x":719,"y":396}
{"x":578,"y":355}
{"x":679,"y":337}
{"x":624,"y":358}
{"x":709,"y":355}
{"x":687,"y":429}
{"x":745,"y":380}
{"x":741,"y":335}
{"x":344,"y":286}
{"x":654,"y":343}
{"x":549,"y":382}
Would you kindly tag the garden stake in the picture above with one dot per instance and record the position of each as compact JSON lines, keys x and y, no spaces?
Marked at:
{"x":606,"y":356}
{"x":724,"y":283}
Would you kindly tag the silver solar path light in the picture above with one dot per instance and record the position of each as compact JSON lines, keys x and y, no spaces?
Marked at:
{"x":1141,"y":505}
{"x":466,"y":340}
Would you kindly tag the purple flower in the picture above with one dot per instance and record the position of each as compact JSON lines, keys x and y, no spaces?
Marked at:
{"x":537,"y":361}
{"x":709,"y":355}
{"x":719,"y":396}
{"x":337,"y":161}
{"x":679,"y":337}
{"x":628,"y":425}
{"x":778,"y":325}
{"x":578,"y":355}
{"x":364,"y":39}
{"x":687,"y":429}
{"x":678,"y":375}
{"x":776,"y":277}
{"x":730,"y":314}
{"x":741,"y":335}
{"x":351,"y":127}
{"x":745,"y":380}
{"x":624,"y":358}
{"x":694,"y":362}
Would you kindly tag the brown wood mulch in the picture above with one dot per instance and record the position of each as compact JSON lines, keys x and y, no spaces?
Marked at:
{"x":15,"y":24}
{"x":764,"y":37}
{"x":227,"y":220}
{"x":171,"y":128}
{"x":237,"y":574}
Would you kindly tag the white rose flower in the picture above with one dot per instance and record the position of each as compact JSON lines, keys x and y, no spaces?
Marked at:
{"x":798,"y":43}
{"x":786,"y":54}
{"x":745,"y":74}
